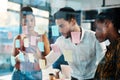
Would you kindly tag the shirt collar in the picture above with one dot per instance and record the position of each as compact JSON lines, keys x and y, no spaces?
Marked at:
{"x":83,"y":33}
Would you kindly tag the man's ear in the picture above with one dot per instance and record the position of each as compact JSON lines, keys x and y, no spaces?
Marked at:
{"x":107,"y":23}
{"x":73,"y":22}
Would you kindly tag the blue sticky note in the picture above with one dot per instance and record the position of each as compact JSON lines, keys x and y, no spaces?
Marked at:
{"x":41,"y":46}
{"x":55,"y":31}
{"x":17,"y":43}
{"x":21,"y":56}
{"x":13,"y":62}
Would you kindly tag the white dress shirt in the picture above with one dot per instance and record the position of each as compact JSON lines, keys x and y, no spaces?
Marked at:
{"x":86,"y":55}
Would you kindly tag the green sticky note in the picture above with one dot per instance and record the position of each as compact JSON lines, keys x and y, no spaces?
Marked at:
{"x":68,"y":55}
{"x":13,"y":62}
{"x":21,"y":56}
{"x":55,"y":31}
{"x":17,"y":43}
{"x":41,"y":46}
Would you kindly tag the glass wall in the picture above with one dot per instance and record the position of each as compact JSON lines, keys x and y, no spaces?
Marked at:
{"x":10,"y":27}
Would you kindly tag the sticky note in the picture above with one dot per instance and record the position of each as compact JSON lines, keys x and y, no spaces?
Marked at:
{"x":17,"y":43}
{"x":9,"y":35}
{"x":21,"y":56}
{"x":66,"y":71}
{"x":25,"y":29}
{"x":33,"y":40}
{"x":55,"y":48}
{"x":42,"y":63}
{"x":55,"y":31}
{"x":26,"y":42}
{"x":75,"y":37}
{"x":6,"y":47}
{"x":40,"y":30}
{"x":13,"y":62}
{"x":31,"y":57}
{"x":41,"y":46}
{"x":68,"y":55}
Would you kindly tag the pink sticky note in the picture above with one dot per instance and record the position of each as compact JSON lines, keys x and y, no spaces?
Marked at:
{"x":25,"y":29}
{"x":33,"y":40}
{"x":9,"y":35}
{"x":55,"y":48}
{"x":6,"y":48}
{"x":75,"y":37}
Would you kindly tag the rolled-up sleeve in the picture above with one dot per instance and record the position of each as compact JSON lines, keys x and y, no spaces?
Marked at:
{"x":51,"y":58}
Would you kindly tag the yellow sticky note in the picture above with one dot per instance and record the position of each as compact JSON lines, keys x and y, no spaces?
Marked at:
{"x":42,"y":63}
{"x":68,"y":55}
{"x":26,"y":42}
{"x":31,"y":57}
{"x":39,"y":29}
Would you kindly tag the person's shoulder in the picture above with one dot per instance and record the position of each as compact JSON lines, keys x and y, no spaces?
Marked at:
{"x":17,"y":36}
{"x":60,"y":39}
{"x":20,"y":36}
{"x":90,"y":32}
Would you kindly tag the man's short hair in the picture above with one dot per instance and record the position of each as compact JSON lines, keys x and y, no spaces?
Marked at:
{"x":66,"y":13}
{"x":26,"y":10}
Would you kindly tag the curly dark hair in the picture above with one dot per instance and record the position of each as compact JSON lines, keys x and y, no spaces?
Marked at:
{"x":112,"y":14}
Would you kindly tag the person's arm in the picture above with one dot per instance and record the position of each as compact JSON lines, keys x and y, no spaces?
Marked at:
{"x":46,"y":45}
{"x":54,"y":53}
{"x":51,"y":58}
{"x":16,"y":51}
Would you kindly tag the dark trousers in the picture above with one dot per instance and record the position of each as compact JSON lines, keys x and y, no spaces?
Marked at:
{"x":72,"y":78}
{"x":18,"y":75}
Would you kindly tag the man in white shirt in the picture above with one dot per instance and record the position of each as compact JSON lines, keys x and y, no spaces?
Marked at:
{"x":84,"y":55}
